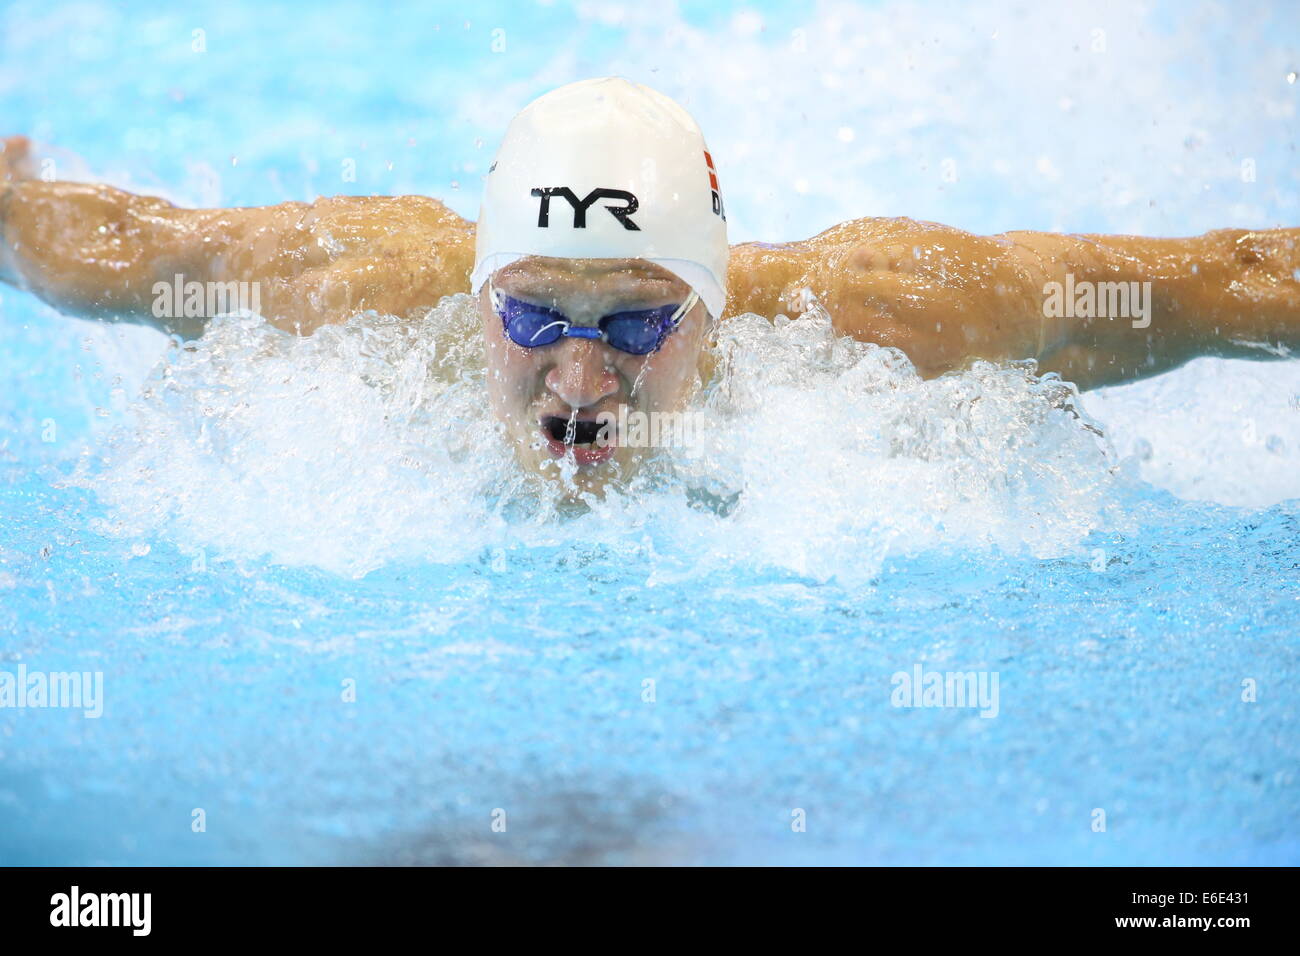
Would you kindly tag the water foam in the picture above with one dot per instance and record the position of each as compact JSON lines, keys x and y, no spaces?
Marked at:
{"x":371,"y":442}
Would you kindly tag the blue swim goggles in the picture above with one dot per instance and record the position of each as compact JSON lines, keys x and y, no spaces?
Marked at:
{"x":638,"y":332}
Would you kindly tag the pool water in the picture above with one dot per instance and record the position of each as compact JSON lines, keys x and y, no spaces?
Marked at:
{"x":336,"y":625}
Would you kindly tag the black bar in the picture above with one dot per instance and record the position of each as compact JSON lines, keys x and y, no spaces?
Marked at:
{"x":955,"y":906}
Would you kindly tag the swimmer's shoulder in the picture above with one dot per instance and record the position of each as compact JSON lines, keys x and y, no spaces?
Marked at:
{"x":325,"y":261}
{"x":414,"y":217}
{"x":398,"y":238}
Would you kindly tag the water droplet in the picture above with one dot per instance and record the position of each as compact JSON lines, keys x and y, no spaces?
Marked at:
{"x":140,"y":549}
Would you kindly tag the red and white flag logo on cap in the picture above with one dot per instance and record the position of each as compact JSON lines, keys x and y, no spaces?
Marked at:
{"x":713,"y":185}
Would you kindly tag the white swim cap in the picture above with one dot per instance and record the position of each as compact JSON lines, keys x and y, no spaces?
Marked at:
{"x":606,"y":169}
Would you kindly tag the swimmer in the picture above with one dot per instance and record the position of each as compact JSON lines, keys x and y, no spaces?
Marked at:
{"x":600,"y":267}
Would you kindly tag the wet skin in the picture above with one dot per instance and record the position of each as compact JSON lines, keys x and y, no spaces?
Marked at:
{"x":943,"y":296}
{"x":577,"y":380}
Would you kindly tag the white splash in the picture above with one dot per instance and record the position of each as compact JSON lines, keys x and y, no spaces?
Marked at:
{"x":371,"y":443}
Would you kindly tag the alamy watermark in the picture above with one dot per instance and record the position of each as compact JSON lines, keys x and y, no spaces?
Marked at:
{"x":921,"y":688}
{"x":179,"y":299}
{"x":75,"y":908}
{"x":83,"y":690}
{"x":632,"y":428}
{"x":1085,"y":299}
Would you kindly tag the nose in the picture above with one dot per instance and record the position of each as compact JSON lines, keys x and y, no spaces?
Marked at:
{"x":581,"y":376}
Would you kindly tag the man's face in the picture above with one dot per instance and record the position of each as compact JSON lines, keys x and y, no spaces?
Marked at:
{"x":538,"y":392}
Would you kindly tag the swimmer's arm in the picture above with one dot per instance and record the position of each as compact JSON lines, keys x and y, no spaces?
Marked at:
{"x":1232,"y":293}
{"x":946,"y":297}
{"x":96,"y":252}
{"x":940,"y":295}
{"x":99,"y":252}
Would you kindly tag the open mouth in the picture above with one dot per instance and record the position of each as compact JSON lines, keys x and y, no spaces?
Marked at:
{"x":578,"y":438}
{"x":584,"y":432}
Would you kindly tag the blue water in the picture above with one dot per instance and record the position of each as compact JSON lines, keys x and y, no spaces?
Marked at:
{"x":317,"y":627}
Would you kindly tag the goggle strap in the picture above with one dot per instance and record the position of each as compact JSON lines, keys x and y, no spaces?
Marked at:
{"x":685,"y":307}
